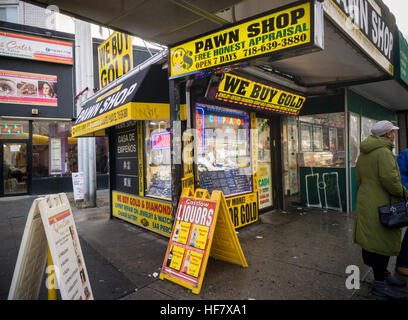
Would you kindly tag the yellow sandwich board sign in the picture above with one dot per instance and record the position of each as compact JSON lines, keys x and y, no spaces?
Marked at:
{"x":202,"y":227}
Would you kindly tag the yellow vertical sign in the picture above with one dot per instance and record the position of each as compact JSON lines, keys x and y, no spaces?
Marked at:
{"x":254,"y":150}
{"x":115,"y":58}
{"x":140,"y":157}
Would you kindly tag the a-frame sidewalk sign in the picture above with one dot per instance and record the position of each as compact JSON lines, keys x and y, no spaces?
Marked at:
{"x":202,"y":227}
{"x":50,"y":223}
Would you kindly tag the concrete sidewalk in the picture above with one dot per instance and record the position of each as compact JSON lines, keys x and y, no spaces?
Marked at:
{"x":299,"y":254}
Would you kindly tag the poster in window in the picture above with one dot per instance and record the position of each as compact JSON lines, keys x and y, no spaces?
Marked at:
{"x":306,"y":137}
{"x":28,"y":88}
{"x":55,"y":154}
{"x":317,"y":138}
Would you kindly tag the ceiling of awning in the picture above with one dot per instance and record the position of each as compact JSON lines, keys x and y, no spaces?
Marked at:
{"x":167,"y":22}
{"x":161,"y":21}
{"x":390,"y":94}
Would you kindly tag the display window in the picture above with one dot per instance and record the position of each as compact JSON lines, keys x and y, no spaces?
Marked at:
{"x":223,"y":148}
{"x":354,"y":138}
{"x":55,"y":152}
{"x":158,"y":160}
{"x":322,"y":140}
{"x":290,"y":153}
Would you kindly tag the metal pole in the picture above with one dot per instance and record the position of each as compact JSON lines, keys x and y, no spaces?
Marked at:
{"x":84,"y":78}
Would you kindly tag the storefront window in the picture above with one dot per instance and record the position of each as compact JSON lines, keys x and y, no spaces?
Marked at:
{"x":224,"y":161}
{"x":322,"y":140}
{"x":54,"y":150}
{"x":290,"y":153}
{"x":354,"y":138}
{"x":158,"y":165}
{"x":102,"y":154}
{"x":366,"y":125}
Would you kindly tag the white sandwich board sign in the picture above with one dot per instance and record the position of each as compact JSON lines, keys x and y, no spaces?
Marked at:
{"x":50,"y":221}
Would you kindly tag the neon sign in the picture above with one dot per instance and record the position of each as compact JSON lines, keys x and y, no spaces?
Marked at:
{"x":11,"y":129}
{"x":160,"y":140}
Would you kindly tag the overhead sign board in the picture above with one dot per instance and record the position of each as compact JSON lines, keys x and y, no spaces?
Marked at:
{"x":202,"y":227}
{"x":369,"y":25}
{"x":246,"y":92}
{"x":35,"y":48}
{"x":50,"y":221}
{"x":115,"y":58}
{"x":297,"y":26}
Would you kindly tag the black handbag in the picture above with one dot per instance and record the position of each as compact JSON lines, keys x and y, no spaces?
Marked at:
{"x":395,"y":215}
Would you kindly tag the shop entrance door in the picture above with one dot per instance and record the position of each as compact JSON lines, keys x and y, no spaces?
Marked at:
{"x":264,"y":170}
{"x":14,"y":173}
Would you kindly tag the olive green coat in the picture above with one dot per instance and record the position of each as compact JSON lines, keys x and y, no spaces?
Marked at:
{"x":378,"y":176}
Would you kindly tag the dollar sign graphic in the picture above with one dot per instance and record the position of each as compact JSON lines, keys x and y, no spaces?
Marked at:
{"x":188,"y":62}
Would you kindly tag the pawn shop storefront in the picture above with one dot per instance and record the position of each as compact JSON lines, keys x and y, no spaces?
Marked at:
{"x":133,"y":112}
{"x":237,"y":149}
{"x":234,"y":110}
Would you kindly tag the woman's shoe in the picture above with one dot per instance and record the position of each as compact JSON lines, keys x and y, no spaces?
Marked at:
{"x":381,"y":289}
{"x":393,"y":281}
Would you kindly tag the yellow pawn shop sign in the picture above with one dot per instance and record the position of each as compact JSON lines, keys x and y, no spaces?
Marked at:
{"x":202,"y":226}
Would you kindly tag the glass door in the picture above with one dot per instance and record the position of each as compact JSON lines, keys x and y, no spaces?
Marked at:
{"x":265,"y":197}
{"x":14,"y":163}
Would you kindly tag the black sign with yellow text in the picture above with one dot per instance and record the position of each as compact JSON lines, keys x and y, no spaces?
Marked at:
{"x":243,"y":91}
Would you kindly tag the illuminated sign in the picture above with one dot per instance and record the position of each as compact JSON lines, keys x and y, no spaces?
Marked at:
{"x":11,"y":129}
{"x":161,"y":140}
{"x":249,"y":93}
{"x":291,"y":28}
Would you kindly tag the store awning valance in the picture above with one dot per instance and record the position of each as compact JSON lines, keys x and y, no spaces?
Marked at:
{"x":139,"y":95}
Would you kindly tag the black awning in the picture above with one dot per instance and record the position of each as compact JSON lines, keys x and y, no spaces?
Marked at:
{"x":140,"y":95}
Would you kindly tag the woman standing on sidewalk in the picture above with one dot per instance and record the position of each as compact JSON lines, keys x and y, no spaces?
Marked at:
{"x":378,"y":177}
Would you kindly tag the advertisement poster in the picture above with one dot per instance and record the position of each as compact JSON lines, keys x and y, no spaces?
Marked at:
{"x":35,"y":48}
{"x":115,"y":57}
{"x":28,"y":88}
{"x":188,"y":245}
{"x":243,"y":209}
{"x":279,"y":30}
{"x":78,"y":185}
{"x":264,"y":185}
{"x":55,"y":155}
{"x":149,"y":214}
